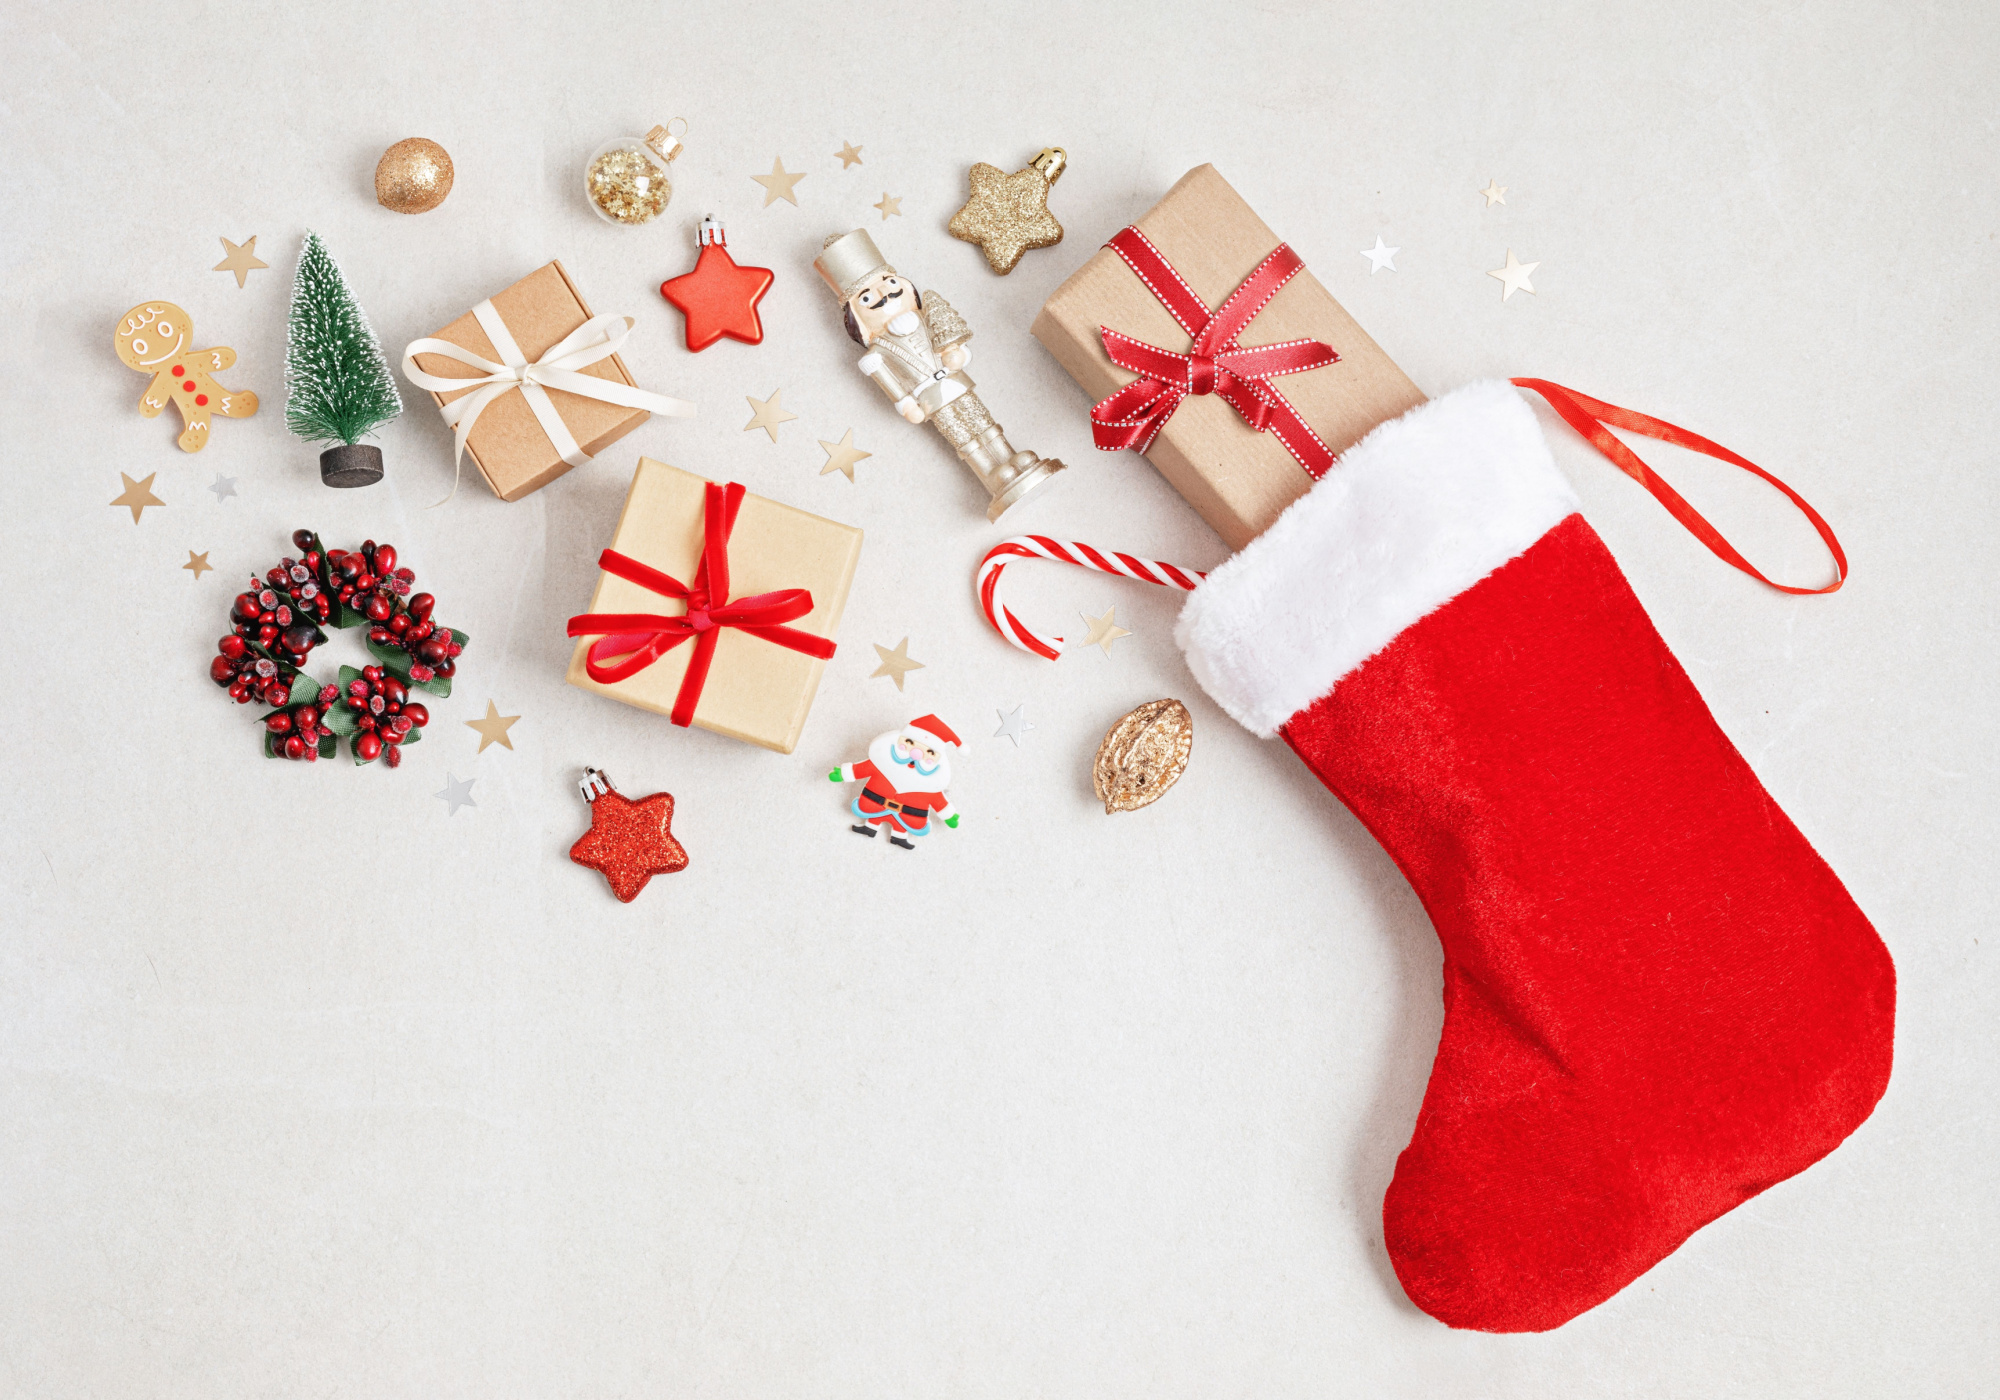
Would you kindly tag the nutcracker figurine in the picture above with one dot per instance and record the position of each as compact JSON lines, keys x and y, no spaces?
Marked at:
{"x":916,"y":352}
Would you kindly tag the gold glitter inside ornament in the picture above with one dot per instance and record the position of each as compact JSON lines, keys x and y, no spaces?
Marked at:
{"x":413,"y":176}
{"x":627,"y":180}
{"x":1144,"y":754}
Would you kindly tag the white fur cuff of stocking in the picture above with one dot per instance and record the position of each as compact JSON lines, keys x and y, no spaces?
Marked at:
{"x":1408,"y":518}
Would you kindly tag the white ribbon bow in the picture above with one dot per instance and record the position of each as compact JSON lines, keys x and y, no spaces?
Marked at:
{"x":594,"y":340}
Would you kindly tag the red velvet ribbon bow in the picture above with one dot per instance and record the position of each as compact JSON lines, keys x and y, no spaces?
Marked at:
{"x":640,"y":639}
{"x":1214,"y":364}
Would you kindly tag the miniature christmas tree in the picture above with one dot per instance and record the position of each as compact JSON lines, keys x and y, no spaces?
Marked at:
{"x":338,"y":385}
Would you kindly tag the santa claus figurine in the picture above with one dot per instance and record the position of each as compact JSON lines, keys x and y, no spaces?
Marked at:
{"x":903,"y":781}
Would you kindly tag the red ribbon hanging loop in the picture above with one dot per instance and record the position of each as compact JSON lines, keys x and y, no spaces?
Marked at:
{"x":627,"y":643}
{"x":1214,"y":364}
{"x":1594,"y":419}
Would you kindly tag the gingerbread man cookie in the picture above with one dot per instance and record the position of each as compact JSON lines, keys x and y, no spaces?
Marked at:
{"x":156,"y":337}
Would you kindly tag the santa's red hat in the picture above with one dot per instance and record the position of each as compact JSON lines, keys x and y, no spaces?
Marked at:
{"x":931,"y":724}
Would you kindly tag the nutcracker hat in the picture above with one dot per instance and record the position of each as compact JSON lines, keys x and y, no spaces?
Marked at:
{"x":931,"y":724}
{"x":847,"y":260}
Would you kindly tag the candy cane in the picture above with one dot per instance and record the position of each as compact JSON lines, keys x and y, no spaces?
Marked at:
{"x":987,"y":581}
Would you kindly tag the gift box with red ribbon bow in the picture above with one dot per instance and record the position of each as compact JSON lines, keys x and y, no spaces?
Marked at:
{"x":715,"y":607}
{"x":1209,"y":347}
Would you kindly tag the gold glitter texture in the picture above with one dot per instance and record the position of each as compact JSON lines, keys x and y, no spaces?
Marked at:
{"x":630,"y":842}
{"x":1009,"y":214}
{"x":627,"y":178}
{"x":1144,"y":754}
{"x":413,"y":176}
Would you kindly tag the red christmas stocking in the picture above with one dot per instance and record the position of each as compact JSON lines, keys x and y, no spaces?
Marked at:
{"x":1659,"y":1000}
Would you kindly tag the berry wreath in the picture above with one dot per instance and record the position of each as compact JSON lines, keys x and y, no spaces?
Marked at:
{"x":277,"y":623}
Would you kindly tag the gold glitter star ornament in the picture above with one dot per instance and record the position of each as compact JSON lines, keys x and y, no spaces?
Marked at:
{"x":1007,"y":215}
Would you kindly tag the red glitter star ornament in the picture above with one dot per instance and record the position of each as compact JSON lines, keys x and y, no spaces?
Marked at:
{"x":718,"y":297}
{"x":628,"y":842}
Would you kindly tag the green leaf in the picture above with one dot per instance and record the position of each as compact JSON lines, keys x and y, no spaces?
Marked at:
{"x":339,"y":719}
{"x":327,"y":745}
{"x":392,"y":658}
{"x":348,"y":676}
{"x":439,"y":686}
{"x":464,"y":639}
{"x":412,"y":737}
{"x":305,"y":690}
{"x":350,"y":617}
{"x":273,"y":745}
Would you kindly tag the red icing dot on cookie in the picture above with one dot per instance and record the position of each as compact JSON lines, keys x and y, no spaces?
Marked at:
{"x":188,"y":385}
{"x":178,"y":371}
{"x":201,"y":400}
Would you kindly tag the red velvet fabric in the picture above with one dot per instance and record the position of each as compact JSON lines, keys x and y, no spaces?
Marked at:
{"x":1659,"y":1000}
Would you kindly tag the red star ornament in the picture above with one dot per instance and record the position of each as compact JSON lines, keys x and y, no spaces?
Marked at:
{"x":628,"y":842}
{"x":718,"y":297}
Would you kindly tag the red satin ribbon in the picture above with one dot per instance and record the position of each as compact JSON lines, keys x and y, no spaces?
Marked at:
{"x":643,"y":638}
{"x":1595,"y":419}
{"x":1214,"y":364}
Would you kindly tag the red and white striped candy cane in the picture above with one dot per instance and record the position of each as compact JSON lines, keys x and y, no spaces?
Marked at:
{"x":1084,"y":556}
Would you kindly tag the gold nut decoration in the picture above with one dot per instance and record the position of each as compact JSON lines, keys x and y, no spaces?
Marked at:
{"x":1144,"y":754}
{"x":413,"y":176}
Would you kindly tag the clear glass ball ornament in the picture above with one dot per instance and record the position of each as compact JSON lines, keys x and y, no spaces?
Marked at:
{"x":626,"y":180}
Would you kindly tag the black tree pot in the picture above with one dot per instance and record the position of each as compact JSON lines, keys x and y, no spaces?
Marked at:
{"x":352,"y":464}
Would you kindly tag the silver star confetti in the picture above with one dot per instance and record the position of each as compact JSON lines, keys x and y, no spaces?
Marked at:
{"x":457,"y":793}
{"x":223,"y":486}
{"x":1013,"y":724}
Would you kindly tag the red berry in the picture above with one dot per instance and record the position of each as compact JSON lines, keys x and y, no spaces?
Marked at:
{"x":416,"y":713}
{"x":279,"y":724}
{"x":453,"y":649}
{"x":306,"y":716}
{"x":282,"y":615}
{"x":327,"y":695}
{"x":239,"y":692}
{"x":433,"y":650}
{"x":267,"y":633}
{"x":245,"y":608}
{"x":418,"y":632}
{"x":220,"y":671}
{"x":372,"y":674}
{"x":395,"y":757}
{"x":231,"y":647}
{"x":401,"y":725}
{"x":421,"y":672}
{"x":364,"y":582}
{"x":369,"y":747}
{"x":302,"y":539}
{"x":379,"y":608}
{"x":300,"y":639}
{"x":385,"y":559}
{"x":400,"y":623}
{"x":312,"y":753}
{"x":446,"y":669}
{"x":393,"y":690}
{"x":366,"y":723}
{"x":376,"y":704}
{"x":421,"y":605}
{"x":295,"y":747}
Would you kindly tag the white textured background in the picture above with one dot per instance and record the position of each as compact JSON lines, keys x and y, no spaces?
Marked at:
{"x":311,"y":1090}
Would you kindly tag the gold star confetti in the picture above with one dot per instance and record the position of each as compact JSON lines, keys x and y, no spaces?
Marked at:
{"x":1495,"y":192}
{"x":493,"y":729}
{"x":1007,"y":215}
{"x":778,"y":184}
{"x":1514,"y":276}
{"x":890,"y":206}
{"x":895,"y":663}
{"x":850,"y":155}
{"x":1103,"y":631}
{"x":769,"y":414}
{"x":840,"y":456}
{"x":138,"y":495}
{"x":198,"y":564}
{"x":242,"y":259}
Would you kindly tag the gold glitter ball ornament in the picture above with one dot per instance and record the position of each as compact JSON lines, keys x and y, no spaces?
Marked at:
{"x":413,"y":176}
{"x":627,"y":181}
{"x":1144,"y":754}
{"x":1009,"y":214}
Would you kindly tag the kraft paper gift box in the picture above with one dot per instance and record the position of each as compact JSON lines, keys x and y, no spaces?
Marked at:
{"x":1239,"y":480}
{"x":508,"y":443}
{"x":756,"y":690}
